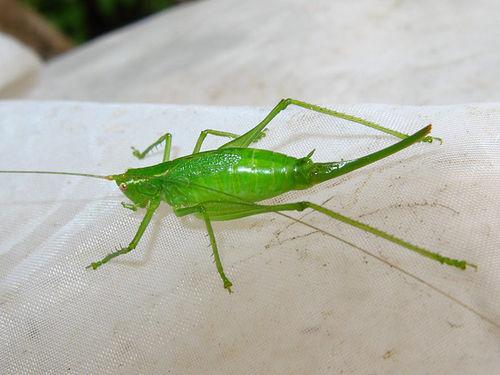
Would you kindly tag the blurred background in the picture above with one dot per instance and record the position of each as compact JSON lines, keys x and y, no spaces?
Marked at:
{"x":229,"y":52}
{"x":54,"y":26}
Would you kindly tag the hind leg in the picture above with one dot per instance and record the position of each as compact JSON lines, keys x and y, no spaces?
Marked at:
{"x":235,"y":210}
{"x":250,"y":136}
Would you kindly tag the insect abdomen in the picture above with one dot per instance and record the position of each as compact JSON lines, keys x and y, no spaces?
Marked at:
{"x":246,"y":173}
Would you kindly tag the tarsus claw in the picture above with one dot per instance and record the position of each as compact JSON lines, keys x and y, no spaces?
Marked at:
{"x":93,"y":265}
{"x":137,"y":153}
{"x":430,"y":139}
{"x":227,"y":285}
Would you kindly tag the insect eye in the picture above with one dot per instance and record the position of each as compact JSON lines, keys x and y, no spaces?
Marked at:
{"x":123,"y":186}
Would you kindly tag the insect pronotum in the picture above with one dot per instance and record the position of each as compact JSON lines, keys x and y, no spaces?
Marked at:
{"x":227,"y":183}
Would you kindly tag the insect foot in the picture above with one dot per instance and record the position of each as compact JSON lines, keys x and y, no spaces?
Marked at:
{"x":107,"y":258}
{"x":430,"y":139}
{"x":227,"y":285}
{"x":137,"y":153}
{"x":94,"y":265}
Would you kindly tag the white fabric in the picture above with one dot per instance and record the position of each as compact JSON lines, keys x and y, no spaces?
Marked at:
{"x":303,"y":301}
{"x":252,"y":52}
{"x":17,"y":62}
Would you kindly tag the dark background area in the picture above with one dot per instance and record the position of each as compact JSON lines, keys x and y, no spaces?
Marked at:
{"x":82,"y":20}
{"x":51,"y":27}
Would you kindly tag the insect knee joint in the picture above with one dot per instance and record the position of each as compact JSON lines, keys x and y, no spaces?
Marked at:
{"x":301,"y":206}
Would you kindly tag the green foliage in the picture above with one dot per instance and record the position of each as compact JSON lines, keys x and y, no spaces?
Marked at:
{"x":85,"y":19}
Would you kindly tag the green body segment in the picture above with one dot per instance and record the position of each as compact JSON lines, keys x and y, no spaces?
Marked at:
{"x":241,"y":174}
{"x":247,"y":174}
{"x":238,"y":175}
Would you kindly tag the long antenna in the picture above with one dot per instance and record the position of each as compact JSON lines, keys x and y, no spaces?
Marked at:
{"x":63,"y":173}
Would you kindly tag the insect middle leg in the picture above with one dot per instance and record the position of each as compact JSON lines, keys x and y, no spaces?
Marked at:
{"x":201,"y":211}
{"x":250,"y":136}
{"x":167,"y":138}
{"x":218,"y":133}
{"x":133,"y":244}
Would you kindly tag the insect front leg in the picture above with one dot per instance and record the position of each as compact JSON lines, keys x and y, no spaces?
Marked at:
{"x":167,"y":138}
{"x":218,"y":133}
{"x":133,"y":244}
{"x":218,"y":263}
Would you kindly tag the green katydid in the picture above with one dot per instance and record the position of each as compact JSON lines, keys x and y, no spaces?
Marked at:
{"x":228,"y":182}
